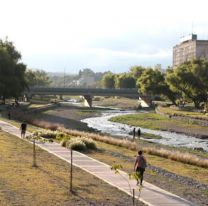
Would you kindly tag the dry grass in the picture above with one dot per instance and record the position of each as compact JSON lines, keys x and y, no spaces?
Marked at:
{"x":48,"y":184}
{"x":170,"y":154}
{"x":182,"y":112}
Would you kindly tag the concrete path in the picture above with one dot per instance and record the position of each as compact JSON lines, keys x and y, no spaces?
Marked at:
{"x":150,"y":194}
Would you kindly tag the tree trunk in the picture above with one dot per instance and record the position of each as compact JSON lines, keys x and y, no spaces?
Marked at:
{"x":4,"y":100}
{"x":196,"y":104}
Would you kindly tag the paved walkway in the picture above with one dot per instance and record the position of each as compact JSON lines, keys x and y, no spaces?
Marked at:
{"x":150,"y":194}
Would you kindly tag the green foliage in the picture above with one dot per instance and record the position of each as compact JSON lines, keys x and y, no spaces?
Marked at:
{"x":37,"y":78}
{"x":190,"y":80}
{"x":90,"y":144}
{"x":12,"y":71}
{"x":80,"y":144}
{"x":136,"y":71}
{"x":125,"y":81}
{"x":116,"y":168}
{"x":108,"y":80}
{"x":76,"y":144}
{"x":50,"y":135}
{"x":152,"y":82}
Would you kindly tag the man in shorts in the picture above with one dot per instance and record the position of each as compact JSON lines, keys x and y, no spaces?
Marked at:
{"x":139,"y":166}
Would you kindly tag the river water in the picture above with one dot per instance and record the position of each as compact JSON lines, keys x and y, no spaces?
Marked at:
{"x":103,"y":125}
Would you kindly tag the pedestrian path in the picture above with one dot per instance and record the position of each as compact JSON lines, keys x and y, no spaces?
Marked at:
{"x":150,"y":194}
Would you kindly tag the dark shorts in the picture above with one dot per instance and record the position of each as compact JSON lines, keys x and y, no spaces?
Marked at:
{"x":140,"y":170}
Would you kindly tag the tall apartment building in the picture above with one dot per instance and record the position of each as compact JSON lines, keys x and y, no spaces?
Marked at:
{"x":189,"y":48}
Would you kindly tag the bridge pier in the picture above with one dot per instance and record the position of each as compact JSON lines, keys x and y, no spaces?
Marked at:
{"x":88,"y":100}
{"x":61,"y":97}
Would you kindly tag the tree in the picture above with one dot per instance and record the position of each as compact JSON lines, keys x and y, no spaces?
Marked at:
{"x":108,"y":80}
{"x":136,"y":71}
{"x":12,"y":80}
{"x":125,"y":81}
{"x":86,"y":73}
{"x":37,"y":78}
{"x":152,"y":82}
{"x":190,"y":80}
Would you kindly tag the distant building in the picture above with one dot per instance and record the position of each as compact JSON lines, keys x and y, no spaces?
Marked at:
{"x":85,"y":81}
{"x":189,"y":48}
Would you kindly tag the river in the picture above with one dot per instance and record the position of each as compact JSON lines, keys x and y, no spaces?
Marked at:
{"x":103,"y":125}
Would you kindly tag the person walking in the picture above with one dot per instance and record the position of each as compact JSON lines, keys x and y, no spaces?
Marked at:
{"x":23,"y":129}
{"x":139,"y":166}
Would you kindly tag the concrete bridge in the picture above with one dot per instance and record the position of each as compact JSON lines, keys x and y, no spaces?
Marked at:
{"x":88,"y":93}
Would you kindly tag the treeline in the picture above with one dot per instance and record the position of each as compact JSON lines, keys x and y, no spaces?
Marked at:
{"x":185,"y":83}
{"x":15,"y":77}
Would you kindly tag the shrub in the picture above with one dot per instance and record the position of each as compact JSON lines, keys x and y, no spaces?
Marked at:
{"x":65,"y":140}
{"x":90,"y":144}
{"x":76,"y":144}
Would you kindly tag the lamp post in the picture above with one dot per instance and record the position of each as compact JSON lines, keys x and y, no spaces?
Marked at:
{"x":34,"y":154}
{"x":71,"y":170}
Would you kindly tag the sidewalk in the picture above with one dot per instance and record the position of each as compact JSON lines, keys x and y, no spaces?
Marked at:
{"x":150,"y":194}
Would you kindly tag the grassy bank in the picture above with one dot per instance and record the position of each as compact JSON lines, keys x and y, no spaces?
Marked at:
{"x":186,"y":111}
{"x":48,"y":184}
{"x":158,"y":122}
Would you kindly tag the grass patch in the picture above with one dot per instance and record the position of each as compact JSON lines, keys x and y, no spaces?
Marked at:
{"x":48,"y":184}
{"x":146,"y":120}
{"x":119,"y":102}
{"x":159,"y":122}
{"x":183,"y":112}
{"x":150,"y":136}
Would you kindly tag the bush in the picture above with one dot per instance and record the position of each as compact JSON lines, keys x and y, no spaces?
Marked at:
{"x":64,"y":141}
{"x":90,"y":144}
{"x":76,"y":144}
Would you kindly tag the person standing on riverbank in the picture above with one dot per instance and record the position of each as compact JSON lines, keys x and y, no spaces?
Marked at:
{"x":139,"y":133}
{"x":139,"y":166}
{"x":134,"y":133}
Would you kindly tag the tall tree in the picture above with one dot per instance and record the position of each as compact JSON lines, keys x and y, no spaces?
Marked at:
{"x":190,"y":80}
{"x":136,"y":71}
{"x":37,"y":78}
{"x":152,"y":82}
{"x":12,"y":81}
{"x":108,"y":80}
{"x":125,"y":81}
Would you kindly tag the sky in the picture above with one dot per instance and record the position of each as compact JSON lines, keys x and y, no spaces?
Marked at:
{"x":58,"y":35}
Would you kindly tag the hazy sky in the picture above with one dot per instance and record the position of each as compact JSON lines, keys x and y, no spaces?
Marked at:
{"x":100,"y":34}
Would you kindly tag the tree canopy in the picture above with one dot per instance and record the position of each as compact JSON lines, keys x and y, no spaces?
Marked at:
{"x":37,"y":78}
{"x":12,"y":71}
{"x":190,"y":80}
{"x":108,"y":80}
{"x":125,"y":81}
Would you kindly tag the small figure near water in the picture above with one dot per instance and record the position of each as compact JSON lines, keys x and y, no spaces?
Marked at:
{"x":139,"y":133}
{"x":139,"y":166}
{"x":23,"y":129}
{"x":134,"y":133}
